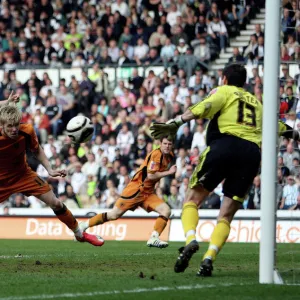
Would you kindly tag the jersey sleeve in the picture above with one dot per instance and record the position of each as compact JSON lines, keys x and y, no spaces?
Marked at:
{"x":213,"y":103}
{"x":154,"y":162}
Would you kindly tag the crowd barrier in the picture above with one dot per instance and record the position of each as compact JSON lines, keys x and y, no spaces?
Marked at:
{"x":137,"y":226}
{"x":115,"y":74}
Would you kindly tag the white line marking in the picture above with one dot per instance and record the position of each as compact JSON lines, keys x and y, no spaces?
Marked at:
{"x":80,"y":255}
{"x":134,"y":291}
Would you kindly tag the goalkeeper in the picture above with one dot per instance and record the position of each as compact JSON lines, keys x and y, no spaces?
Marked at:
{"x":233,"y":153}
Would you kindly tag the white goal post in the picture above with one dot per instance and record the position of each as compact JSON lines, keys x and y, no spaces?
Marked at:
{"x":267,"y":272}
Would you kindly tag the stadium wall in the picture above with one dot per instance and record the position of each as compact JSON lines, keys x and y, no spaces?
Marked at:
{"x":42,"y":224}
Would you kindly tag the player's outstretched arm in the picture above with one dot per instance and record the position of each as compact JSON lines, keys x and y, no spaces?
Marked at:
{"x":13,"y":98}
{"x":160,"y":130}
{"x":159,"y":175}
{"x":42,"y":158}
{"x":204,"y":109}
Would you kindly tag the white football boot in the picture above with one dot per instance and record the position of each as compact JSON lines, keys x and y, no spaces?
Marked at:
{"x":156,"y":242}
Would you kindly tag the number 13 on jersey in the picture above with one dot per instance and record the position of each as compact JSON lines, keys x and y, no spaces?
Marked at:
{"x":246,"y":114}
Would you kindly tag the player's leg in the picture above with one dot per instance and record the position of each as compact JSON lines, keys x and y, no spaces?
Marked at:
{"x":190,"y":217}
{"x":32,"y":184}
{"x":220,"y":234}
{"x":65,"y":216}
{"x":154,"y":203}
{"x":129,"y":200}
{"x":102,"y":218}
{"x":244,"y":165}
{"x":206,"y":176}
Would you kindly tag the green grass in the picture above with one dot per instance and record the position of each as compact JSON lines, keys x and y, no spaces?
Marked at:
{"x":64,"y":267}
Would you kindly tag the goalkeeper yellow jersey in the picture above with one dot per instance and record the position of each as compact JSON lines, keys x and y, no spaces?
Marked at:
{"x":232,"y":111}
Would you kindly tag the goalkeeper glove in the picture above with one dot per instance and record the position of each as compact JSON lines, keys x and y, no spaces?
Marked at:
{"x":169,"y":129}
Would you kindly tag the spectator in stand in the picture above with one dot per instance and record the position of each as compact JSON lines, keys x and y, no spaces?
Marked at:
{"x":185,"y":140}
{"x":295,"y":207}
{"x":292,"y":47}
{"x":199,"y":138}
{"x":167,"y":51}
{"x":194,"y":157}
{"x":252,"y":45}
{"x":202,"y":51}
{"x":240,"y":10}
{"x":289,"y":155}
{"x":237,"y":57}
{"x":110,"y":175}
{"x":218,"y":33}
{"x":213,"y":13}
{"x":291,"y":99}
{"x":128,"y":49}
{"x":295,"y":170}
{"x":159,"y":34}
{"x":110,"y":194}
{"x":286,"y":25}
{"x":285,"y":54}
{"x":67,"y":201}
{"x":127,"y":99}
{"x":125,"y":140}
{"x":285,"y":171}
{"x":181,"y":160}
{"x":286,"y":75}
{"x":149,"y":82}
{"x":201,"y":27}
{"x":183,"y":91}
{"x":140,"y":51}
{"x":78,"y":179}
{"x":41,"y":124}
{"x":253,"y":200}
{"x":91,"y":166}
{"x":152,"y":57}
{"x":173,"y":14}
{"x":66,"y":101}
{"x":259,"y":52}
{"x":20,"y":202}
{"x":174,"y":200}
{"x":258,"y":31}
{"x":189,"y":28}
{"x":251,"y":60}
{"x":136,"y":80}
{"x":290,"y":194}
{"x":182,"y":47}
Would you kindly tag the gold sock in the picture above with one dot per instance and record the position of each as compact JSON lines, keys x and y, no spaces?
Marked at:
{"x":65,"y":216}
{"x":190,"y":219}
{"x":218,"y":239}
{"x":160,"y":224}
{"x":98,"y":219}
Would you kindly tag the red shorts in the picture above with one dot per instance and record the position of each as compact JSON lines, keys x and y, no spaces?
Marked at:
{"x":132,"y":198}
{"x":29,"y":184}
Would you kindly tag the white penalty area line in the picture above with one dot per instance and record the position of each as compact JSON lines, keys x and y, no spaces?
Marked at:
{"x":116,"y":292}
{"x":80,"y":255}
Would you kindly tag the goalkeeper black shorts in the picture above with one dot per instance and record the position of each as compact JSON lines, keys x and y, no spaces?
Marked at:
{"x":231,"y":158}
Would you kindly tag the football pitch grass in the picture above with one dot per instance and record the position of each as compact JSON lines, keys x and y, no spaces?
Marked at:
{"x":46,"y":269}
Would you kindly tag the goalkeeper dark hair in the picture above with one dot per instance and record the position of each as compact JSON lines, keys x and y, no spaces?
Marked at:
{"x":236,"y":75}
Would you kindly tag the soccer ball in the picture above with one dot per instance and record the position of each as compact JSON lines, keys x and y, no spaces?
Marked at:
{"x":80,"y":129}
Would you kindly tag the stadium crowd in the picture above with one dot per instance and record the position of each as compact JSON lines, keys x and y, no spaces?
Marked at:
{"x":175,"y":34}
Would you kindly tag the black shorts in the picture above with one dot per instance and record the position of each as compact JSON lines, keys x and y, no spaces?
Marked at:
{"x":230,"y":158}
